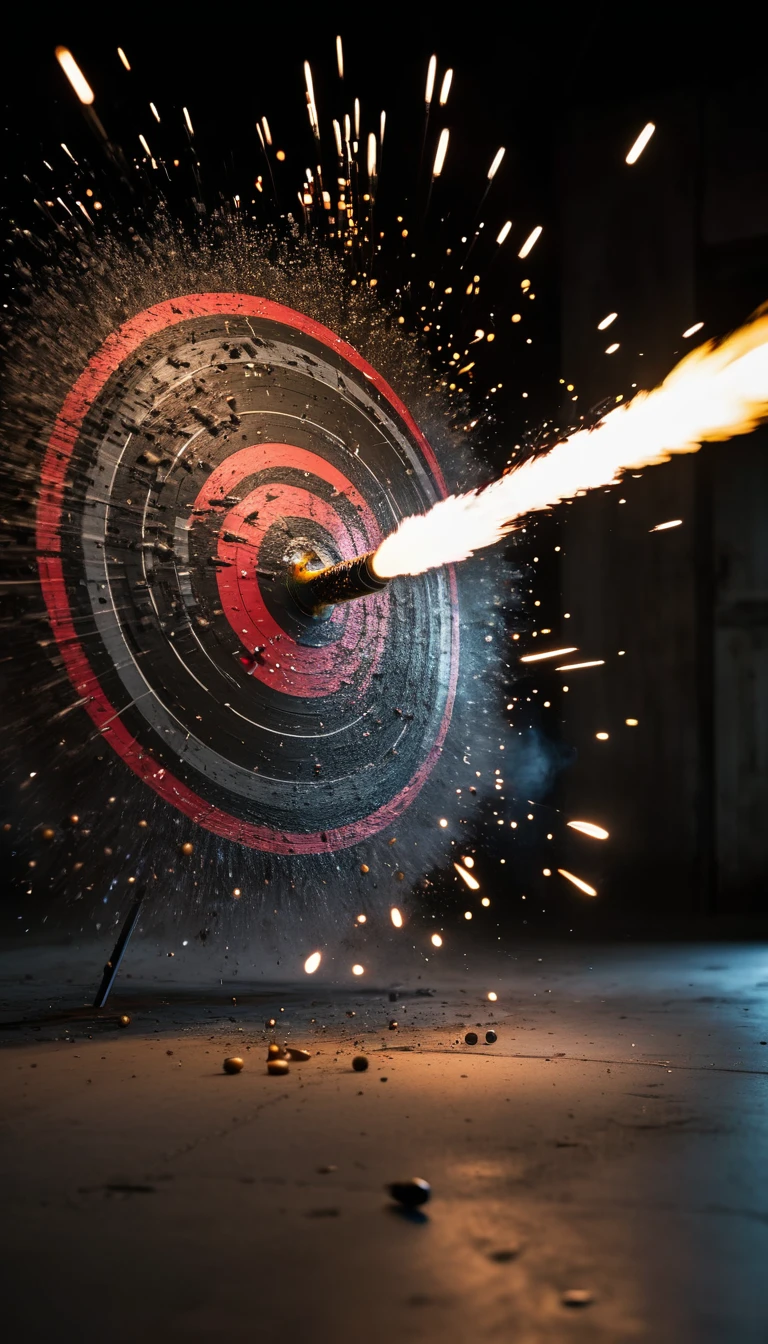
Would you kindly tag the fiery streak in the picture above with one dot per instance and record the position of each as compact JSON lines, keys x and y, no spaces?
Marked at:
{"x":494,"y":168}
{"x":553,"y":653}
{"x":577,"y":882}
{"x":664,"y":527}
{"x":504,"y":232}
{"x":691,"y":331}
{"x":606,"y":322}
{"x":575,"y":667}
{"x":340,"y":57}
{"x":640,"y":143}
{"x":530,"y":242}
{"x":471,"y":881}
{"x":589,"y":828}
{"x":75,"y":75}
{"x":188,"y":121}
{"x":123,"y":58}
{"x":337,"y":134}
{"x":312,"y":963}
{"x":371,"y":155}
{"x":442,"y":150}
{"x":716,"y":392}
{"x":382,"y":127}
{"x":445,"y":87}
{"x":267,"y":132}
{"x":357,"y":118}
{"x":431,"y":72}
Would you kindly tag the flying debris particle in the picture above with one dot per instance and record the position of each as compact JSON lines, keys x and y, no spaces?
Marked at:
{"x":577,"y":882}
{"x":393,"y":1024}
{"x":575,"y":667}
{"x":442,"y":150}
{"x":75,"y":75}
{"x":396,"y":917}
{"x":145,"y":146}
{"x":601,"y":737}
{"x":691,"y":331}
{"x":124,"y":1020}
{"x":494,"y":168}
{"x":446,"y":87}
{"x":431,"y":72}
{"x":664,"y":527}
{"x":123,"y":58}
{"x":553,"y":653}
{"x":410,"y":1194}
{"x":485,"y":901}
{"x":631,"y":723}
{"x":576,"y":1297}
{"x":312,"y":962}
{"x":364,"y":868}
{"x":361,"y":919}
{"x":530,"y":242}
{"x":471,"y":881}
{"x":504,"y":232}
{"x":589,"y":828}
{"x":280,"y":156}
{"x":357,"y":969}
{"x":233,"y":1065}
{"x":278,"y":1067}
{"x":187,"y":121}
{"x":436,"y":940}
{"x":360,"y":1063}
{"x":640,"y":143}
{"x":606,"y":322}
{"x":340,"y":58}
{"x":154,"y":112}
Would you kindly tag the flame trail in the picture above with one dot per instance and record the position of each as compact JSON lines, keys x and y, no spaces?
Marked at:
{"x":717,"y":391}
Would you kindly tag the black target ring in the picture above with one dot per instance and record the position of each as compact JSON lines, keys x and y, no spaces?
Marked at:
{"x":211,"y":438}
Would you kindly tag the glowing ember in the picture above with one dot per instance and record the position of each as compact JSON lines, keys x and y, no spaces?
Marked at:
{"x":446,"y":87}
{"x":123,"y":58}
{"x":442,"y":150}
{"x":493,"y":997}
{"x":504,"y":233}
{"x":575,"y":667}
{"x":611,"y":349}
{"x":436,"y":940}
{"x":553,"y":653}
{"x":530,"y":242}
{"x":631,"y":723}
{"x":396,"y":917}
{"x":358,"y":969}
{"x":468,"y":862}
{"x":471,"y":881}
{"x":494,"y":168}
{"x":691,"y":331}
{"x":467,"y":914}
{"x":443,"y":822}
{"x":589,"y":828}
{"x":188,"y":121}
{"x":75,"y":75}
{"x":664,"y":527}
{"x":717,"y":391}
{"x":601,"y":737}
{"x":577,"y":882}
{"x":312,"y":963}
{"x":485,"y":901}
{"x":431,"y":72}
{"x":606,"y":322}
{"x":340,"y":57}
{"x":640,"y":143}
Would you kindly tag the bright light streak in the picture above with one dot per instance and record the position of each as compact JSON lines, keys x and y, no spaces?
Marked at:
{"x":69,"y":153}
{"x":188,"y":121}
{"x":357,"y":118}
{"x":123,"y":58}
{"x":576,"y":667}
{"x":75,"y":75}
{"x":664,"y":527}
{"x":396,"y":917}
{"x":337,"y":134}
{"x":640,"y":143}
{"x":436,"y":940}
{"x":692,"y":330}
{"x":468,"y":862}
{"x":371,"y":155}
{"x":494,"y":168}
{"x":611,"y":349}
{"x":471,"y":881}
{"x":431,"y":72}
{"x":553,"y":653}
{"x":145,"y":146}
{"x":445,"y":88}
{"x":504,"y":232}
{"x":717,"y":391}
{"x":358,"y":969}
{"x":382,"y":127}
{"x":312,"y":962}
{"x":347,"y":128}
{"x":589,"y":828}
{"x":442,"y":150}
{"x":530,"y":242}
{"x":577,"y":882}
{"x":267,"y":132}
{"x":154,"y":112}
{"x":340,"y":57}
{"x":606,"y":322}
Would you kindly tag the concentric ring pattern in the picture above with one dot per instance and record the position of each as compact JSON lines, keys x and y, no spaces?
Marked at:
{"x":211,"y":440}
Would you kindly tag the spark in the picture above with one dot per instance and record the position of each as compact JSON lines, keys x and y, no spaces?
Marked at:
{"x":553,"y":653}
{"x":123,"y":58}
{"x":371,"y":155}
{"x":691,"y":331}
{"x":431,"y":72}
{"x":606,"y":322}
{"x":68,"y":152}
{"x":443,"y":822}
{"x":640,"y":143}
{"x":267,"y":132}
{"x":188,"y":122}
{"x":361,"y":919}
{"x":664,"y":527}
{"x":485,"y":901}
{"x":576,"y":667}
{"x":154,"y":112}
{"x":632,"y":723}
{"x":471,"y":881}
{"x":589,"y":828}
{"x":311,"y":107}
{"x":442,"y":150}
{"x":357,"y":118}
{"x":312,"y":962}
{"x":467,"y":914}
{"x":340,"y":57}
{"x":717,"y":391}
{"x":602,"y":737}
{"x":145,"y":146}
{"x":530,"y":242}
{"x":382,"y":127}
{"x":396,"y":917}
{"x":468,"y":862}
{"x":611,"y":349}
{"x":75,"y":75}
{"x":492,"y":997}
{"x":445,"y":88}
{"x":337,"y":134}
{"x":577,"y":882}
{"x":504,"y":232}
{"x":436,"y":940}
{"x":494,"y":168}
{"x":357,"y":969}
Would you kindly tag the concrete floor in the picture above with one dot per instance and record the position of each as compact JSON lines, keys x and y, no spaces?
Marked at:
{"x":614,"y":1139}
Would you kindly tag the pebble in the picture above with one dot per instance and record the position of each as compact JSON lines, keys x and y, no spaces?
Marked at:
{"x":491,"y":1037}
{"x":393,"y":1025}
{"x":279,"y":1066}
{"x":298,"y":1056}
{"x":470,"y":1038}
{"x":360,"y":1063}
{"x":233,"y":1065}
{"x":411,"y":1194}
{"x":576,"y":1297}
